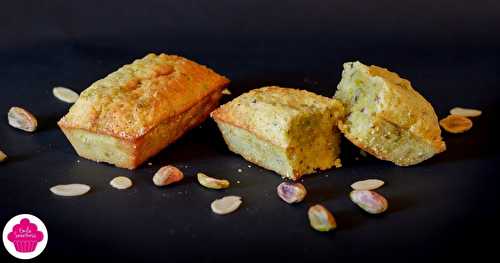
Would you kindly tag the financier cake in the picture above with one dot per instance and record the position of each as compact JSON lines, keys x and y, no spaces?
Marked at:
{"x":386,"y":117}
{"x":138,"y":110}
{"x":292,"y":132}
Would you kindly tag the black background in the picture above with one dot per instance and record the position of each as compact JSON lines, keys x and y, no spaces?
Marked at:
{"x":444,"y":208}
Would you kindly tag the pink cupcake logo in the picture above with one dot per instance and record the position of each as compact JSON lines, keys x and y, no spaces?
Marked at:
{"x":25,"y":236}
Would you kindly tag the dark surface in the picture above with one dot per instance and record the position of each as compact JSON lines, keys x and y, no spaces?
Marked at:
{"x":444,"y":208}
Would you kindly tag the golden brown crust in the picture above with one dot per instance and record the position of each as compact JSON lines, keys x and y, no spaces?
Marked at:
{"x":386,"y":116}
{"x":132,"y":153}
{"x":131,"y":101}
{"x":289,"y":131}
{"x":138,"y":110}
{"x":253,"y":110}
{"x":407,"y":109}
{"x":172,"y":129}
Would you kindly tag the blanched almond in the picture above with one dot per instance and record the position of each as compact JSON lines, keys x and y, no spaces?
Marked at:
{"x":121,"y":182}
{"x":22,"y":119}
{"x":456,"y":124}
{"x":369,"y":184}
{"x":65,"y":94}
{"x":465,"y":112}
{"x":226,"y":205}
{"x":70,"y":189}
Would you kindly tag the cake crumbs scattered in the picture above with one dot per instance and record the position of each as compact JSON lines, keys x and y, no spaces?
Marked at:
{"x":337,"y":163}
{"x":3,"y":156}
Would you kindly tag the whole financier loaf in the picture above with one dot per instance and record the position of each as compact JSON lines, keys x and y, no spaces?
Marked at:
{"x":386,"y":116}
{"x":138,"y":110}
{"x":292,"y":132}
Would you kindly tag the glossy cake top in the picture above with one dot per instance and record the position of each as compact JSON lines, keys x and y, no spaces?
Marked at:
{"x":134,"y":99}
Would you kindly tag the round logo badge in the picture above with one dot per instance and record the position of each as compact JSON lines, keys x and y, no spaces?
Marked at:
{"x":25,"y":236}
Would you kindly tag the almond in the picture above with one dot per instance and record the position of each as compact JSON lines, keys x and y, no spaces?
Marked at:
{"x":226,"y":205}
{"x":465,"y":112}
{"x":370,"y":184}
{"x":65,"y":94}
{"x":456,"y":124}
{"x":70,"y":189}
{"x":121,"y":182}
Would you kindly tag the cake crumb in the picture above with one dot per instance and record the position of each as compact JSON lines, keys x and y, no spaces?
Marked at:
{"x":239,"y":170}
{"x":338,"y":163}
{"x":237,"y":182}
{"x":150,"y":163}
{"x":249,"y":166}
